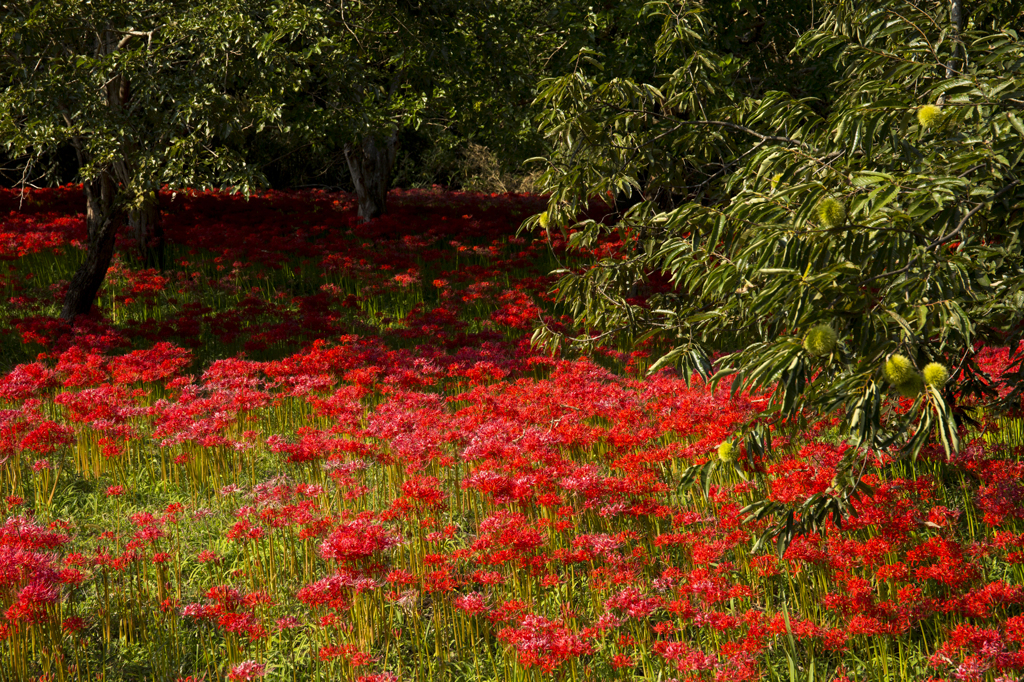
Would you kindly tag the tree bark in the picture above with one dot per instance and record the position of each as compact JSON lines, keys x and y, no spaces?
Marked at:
{"x":370,"y":164}
{"x":149,"y":233}
{"x":102,"y":221}
{"x":102,"y":214}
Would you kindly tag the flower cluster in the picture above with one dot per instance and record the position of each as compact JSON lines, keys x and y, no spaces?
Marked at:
{"x":327,"y":450}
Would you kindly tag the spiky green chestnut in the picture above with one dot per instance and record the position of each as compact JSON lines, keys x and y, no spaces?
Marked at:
{"x":935,"y":374}
{"x":929,"y":115}
{"x":820,"y":340}
{"x":899,"y":369}
{"x":726,"y":451}
{"x":912,"y":387}
{"x":543,"y":220}
{"x":831,"y":213}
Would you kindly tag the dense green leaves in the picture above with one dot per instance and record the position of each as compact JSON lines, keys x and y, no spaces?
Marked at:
{"x":221,"y":92}
{"x":159,"y":93}
{"x":889,"y":207}
{"x":177,"y":94}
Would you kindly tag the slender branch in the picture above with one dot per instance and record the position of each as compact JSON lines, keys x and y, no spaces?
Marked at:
{"x":950,"y":236}
{"x":924,"y":36}
{"x":721,"y":124}
{"x":135,"y":34}
{"x":754,"y":133}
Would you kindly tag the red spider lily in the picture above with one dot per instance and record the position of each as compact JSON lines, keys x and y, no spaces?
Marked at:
{"x":683,"y":657}
{"x":72,"y":625}
{"x":247,"y":671}
{"x":288,"y":623}
{"x":245,"y":531}
{"x":543,"y":643}
{"x":633,"y":603}
{"x":424,"y":491}
{"x":335,"y":591}
{"x":350,"y":652}
{"x":246,"y":624}
{"x":162,"y":361}
{"x":359,"y":539}
{"x":27,"y":381}
{"x":31,"y":601}
{"x":21,"y":532}
{"x":47,"y":438}
{"x":472,"y":604}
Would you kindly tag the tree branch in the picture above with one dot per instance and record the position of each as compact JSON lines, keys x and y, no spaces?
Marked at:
{"x":943,"y":239}
{"x":136,"y":34}
{"x":723,"y":124}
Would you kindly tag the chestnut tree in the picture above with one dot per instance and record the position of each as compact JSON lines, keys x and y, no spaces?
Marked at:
{"x":845,"y":249}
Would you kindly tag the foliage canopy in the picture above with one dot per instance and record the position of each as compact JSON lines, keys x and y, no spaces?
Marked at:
{"x":177,"y":94}
{"x":886,"y":208}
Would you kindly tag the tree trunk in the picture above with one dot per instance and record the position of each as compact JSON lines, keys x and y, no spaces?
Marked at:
{"x":370,"y":165}
{"x":956,"y":20}
{"x":102,"y":222}
{"x":102,"y":215}
{"x":149,"y":233}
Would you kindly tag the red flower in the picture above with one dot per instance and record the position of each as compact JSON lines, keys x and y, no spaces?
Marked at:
{"x":246,"y":671}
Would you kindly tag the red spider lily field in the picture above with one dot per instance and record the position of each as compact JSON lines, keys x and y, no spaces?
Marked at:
{"x":316,"y":449}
